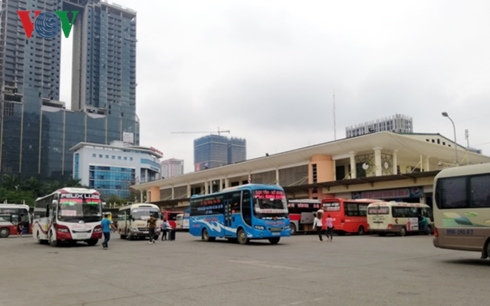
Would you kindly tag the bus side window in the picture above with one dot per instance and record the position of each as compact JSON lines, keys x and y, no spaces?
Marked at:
{"x":247,"y":208}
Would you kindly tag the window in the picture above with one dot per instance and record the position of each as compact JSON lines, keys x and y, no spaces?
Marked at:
{"x":94,"y":155}
{"x":125,"y":158}
{"x":100,"y":155}
{"x":451,"y":193}
{"x":130,"y":158}
{"x":480,"y":193}
{"x":355,"y":209}
{"x":113,"y":157}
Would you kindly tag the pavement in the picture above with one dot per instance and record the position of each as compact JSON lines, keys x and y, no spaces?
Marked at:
{"x":350,"y":270}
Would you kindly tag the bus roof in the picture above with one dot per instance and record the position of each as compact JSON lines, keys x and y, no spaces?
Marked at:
{"x":70,"y":190}
{"x":241,"y":187}
{"x":136,"y":205}
{"x":8,"y":205}
{"x":398,"y":204}
{"x":464,"y":170}
{"x":309,"y":201}
{"x":351,"y":200}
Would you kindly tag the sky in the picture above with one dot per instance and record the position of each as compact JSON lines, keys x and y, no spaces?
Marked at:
{"x":267,"y":71}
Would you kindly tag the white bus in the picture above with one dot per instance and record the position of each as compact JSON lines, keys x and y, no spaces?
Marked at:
{"x":68,"y":215}
{"x":397,"y":217}
{"x":10,"y":217}
{"x":462,"y":209}
{"x":132,"y":220}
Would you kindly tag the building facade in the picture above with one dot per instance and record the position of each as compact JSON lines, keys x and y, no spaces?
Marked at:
{"x":172,"y":167}
{"x":111,"y":169}
{"x":36,"y":129}
{"x":400,"y":167}
{"x":213,"y":151}
{"x":397,"y":124}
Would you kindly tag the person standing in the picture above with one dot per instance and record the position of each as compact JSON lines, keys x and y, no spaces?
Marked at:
{"x":151,"y":224}
{"x":317,"y":223}
{"x":20,"y":228}
{"x":165,"y":227}
{"x":106,"y":230}
{"x":329,"y":226}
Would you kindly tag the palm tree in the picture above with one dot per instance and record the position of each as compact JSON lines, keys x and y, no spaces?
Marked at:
{"x":11,"y":182}
{"x":73,"y":182}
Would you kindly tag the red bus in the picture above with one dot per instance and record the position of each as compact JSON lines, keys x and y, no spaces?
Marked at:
{"x":301,"y":214}
{"x":171,"y":216}
{"x":11,"y":215}
{"x":349,"y":216}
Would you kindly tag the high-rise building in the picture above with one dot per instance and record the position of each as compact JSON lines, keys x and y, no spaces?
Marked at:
{"x":36,"y":130}
{"x":172,"y":167}
{"x":215,"y":150}
{"x":397,"y":124}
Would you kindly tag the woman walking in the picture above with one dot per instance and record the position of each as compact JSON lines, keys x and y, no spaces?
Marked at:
{"x":317,"y":223}
{"x":329,"y":226}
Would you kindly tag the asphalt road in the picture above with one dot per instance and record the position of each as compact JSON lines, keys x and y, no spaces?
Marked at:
{"x":351,"y":270}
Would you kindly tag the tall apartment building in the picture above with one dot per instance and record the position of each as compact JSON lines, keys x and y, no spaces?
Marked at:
{"x":36,"y":129}
{"x":215,"y":150}
{"x":396,"y":123}
{"x":172,"y":167}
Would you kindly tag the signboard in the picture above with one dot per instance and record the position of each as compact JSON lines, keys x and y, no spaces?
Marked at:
{"x":415,"y":192}
{"x":128,"y":137}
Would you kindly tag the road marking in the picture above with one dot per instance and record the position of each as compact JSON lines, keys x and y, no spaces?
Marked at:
{"x":303,"y":302}
{"x":262,"y":264}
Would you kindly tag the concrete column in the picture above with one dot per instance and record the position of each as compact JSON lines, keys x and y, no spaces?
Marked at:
{"x":395,"y":161}
{"x":277,"y":176}
{"x":377,"y":161}
{"x":421,"y":163}
{"x":227,"y":182}
{"x":188,"y":190}
{"x":427,"y":164}
{"x":141,"y":196}
{"x":155,"y":194}
{"x":353,"y":172}
{"x":173,"y":193}
{"x":206,"y":187}
{"x":220,"y":184}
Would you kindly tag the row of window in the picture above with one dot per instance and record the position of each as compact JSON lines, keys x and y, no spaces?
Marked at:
{"x":463,"y":192}
{"x":113,"y":157}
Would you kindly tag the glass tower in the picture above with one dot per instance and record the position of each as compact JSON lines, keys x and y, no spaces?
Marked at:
{"x":36,"y":130}
{"x":215,"y":150}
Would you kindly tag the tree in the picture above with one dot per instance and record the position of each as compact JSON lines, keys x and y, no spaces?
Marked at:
{"x":32,"y":185}
{"x":11,"y":182}
{"x":115,"y":199}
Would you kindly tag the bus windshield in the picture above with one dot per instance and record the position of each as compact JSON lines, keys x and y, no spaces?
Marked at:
{"x":143,"y":213}
{"x":75,"y":207}
{"x":270,"y":203}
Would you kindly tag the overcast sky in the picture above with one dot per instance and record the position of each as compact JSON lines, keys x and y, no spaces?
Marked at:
{"x":267,"y":70}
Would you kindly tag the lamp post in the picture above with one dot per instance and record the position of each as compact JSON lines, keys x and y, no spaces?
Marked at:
{"x":455,"y":144}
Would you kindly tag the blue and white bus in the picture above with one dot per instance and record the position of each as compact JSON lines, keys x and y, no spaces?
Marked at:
{"x":240,"y":214}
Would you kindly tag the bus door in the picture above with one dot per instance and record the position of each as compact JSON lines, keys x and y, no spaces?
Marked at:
{"x":232,"y":213}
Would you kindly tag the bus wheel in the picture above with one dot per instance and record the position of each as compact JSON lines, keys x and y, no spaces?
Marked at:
{"x":92,"y":242}
{"x":292,"y":226}
{"x":361,"y":231}
{"x":403,"y":232}
{"x":122,"y":236}
{"x":205,"y":235}
{"x":4,"y":232}
{"x":242,"y":237}
{"x":53,"y":243}
{"x":274,"y":240}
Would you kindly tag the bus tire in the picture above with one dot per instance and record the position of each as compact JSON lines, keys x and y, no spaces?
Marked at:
{"x":274,"y":240}
{"x":4,"y":232}
{"x":53,"y":243}
{"x":360,"y":230}
{"x":122,"y":236}
{"x":292,"y":226}
{"x":403,"y":231}
{"x":92,"y":242}
{"x":242,"y":237}
{"x":205,"y":235}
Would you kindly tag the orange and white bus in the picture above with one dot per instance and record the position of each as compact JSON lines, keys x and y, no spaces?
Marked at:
{"x":348,"y":215}
{"x":10,"y":216}
{"x":462,"y":209}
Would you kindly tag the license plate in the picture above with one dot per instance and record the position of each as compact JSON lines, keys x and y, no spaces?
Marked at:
{"x":276,"y":234}
{"x":82,"y":236}
{"x":145,"y":232}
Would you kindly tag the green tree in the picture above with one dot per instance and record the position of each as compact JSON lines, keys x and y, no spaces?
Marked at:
{"x":114,"y":199}
{"x":32,"y":185}
{"x":16,"y":196}
{"x":11,"y":182}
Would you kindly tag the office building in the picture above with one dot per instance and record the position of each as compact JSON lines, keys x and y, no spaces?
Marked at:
{"x":112,"y":168}
{"x":397,"y":124}
{"x":215,"y":150}
{"x":172,"y":167}
{"x":36,"y":129}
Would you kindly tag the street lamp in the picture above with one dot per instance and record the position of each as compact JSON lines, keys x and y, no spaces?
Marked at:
{"x":455,"y":144}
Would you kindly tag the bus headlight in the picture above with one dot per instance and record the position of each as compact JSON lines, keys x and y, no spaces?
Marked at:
{"x":259,"y":227}
{"x":134,"y":229}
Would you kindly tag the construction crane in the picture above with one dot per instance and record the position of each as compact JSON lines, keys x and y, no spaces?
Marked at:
{"x":212,"y":132}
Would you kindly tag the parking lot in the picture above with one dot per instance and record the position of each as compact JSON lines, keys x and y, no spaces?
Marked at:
{"x":351,"y":270}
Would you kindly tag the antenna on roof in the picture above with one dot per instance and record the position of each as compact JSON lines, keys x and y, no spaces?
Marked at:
{"x":334,"y":119}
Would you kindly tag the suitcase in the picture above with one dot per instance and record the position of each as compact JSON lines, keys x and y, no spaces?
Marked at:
{"x":171,"y":235}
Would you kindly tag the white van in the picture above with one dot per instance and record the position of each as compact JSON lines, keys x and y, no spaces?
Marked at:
{"x":397,"y":217}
